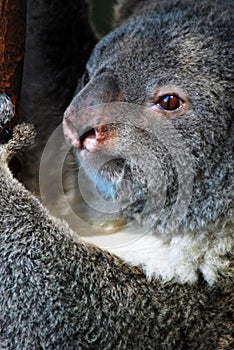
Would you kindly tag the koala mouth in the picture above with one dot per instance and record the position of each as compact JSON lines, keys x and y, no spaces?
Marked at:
{"x":94,"y":145}
{"x":114,"y":176}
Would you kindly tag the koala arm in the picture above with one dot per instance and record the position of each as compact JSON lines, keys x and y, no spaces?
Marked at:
{"x":56,"y":293}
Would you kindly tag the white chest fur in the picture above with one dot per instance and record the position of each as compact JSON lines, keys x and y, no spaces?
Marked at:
{"x":182,"y":257}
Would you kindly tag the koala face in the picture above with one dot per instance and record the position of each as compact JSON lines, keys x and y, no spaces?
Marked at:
{"x":152,"y":123}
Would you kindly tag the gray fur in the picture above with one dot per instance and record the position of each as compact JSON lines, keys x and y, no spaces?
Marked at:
{"x":184,"y":45}
{"x":57,"y":292}
{"x":6,"y":111}
{"x":6,"y":115}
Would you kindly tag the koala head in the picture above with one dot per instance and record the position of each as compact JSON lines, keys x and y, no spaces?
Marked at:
{"x":152,"y":119}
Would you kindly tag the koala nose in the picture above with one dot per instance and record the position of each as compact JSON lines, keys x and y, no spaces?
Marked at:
{"x":97,"y":138}
{"x":86,"y":122}
{"x":93,"y":139}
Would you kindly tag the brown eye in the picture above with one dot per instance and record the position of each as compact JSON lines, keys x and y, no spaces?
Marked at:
{"x":169,"y":102}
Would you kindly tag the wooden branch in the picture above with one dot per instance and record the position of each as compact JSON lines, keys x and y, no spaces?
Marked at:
{"x":12,"y":38}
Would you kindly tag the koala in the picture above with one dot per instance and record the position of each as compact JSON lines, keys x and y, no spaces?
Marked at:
{"x":171,"y":288}
{"x":58,"y":292}
{"x":152,"y":127}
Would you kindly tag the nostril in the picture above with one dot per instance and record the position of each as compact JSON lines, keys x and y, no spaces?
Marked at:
{"x":92,"y":140}
{"x":88,"y":135}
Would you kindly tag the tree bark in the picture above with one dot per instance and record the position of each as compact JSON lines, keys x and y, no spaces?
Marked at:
{"x":12,"y":38}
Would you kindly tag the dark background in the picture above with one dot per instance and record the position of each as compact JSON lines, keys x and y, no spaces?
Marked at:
{"x":101,"y":15}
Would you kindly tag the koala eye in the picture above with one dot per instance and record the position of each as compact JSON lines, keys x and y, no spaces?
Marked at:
{"x":169,"y":102}
{"x":85,"y":78}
